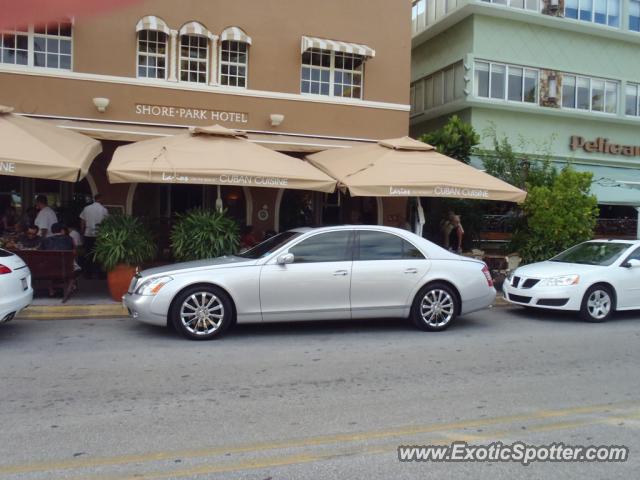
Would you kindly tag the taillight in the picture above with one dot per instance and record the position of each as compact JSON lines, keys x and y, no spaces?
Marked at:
{"x":487,"y":275}
{"x":4,"y":269}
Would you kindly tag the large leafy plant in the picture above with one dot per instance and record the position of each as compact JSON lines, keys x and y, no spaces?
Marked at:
{"x":122,"y":239}
{"x":202,"y":234}
{"x":457,"y":139}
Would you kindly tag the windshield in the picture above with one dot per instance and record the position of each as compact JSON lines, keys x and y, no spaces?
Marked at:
{"x":269,"y":246}
{"x":593,"y":253}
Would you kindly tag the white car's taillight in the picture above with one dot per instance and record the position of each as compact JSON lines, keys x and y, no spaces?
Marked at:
{"x":487,"y":275}
{"x":4,"y":269}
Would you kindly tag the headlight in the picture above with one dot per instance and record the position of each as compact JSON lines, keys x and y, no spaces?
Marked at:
{"x":563,"y":281}
{"x":152,"y":286}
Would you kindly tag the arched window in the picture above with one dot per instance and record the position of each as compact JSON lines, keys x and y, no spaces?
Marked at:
{"x":152,"y":47}
{"x":234,"y":57}
{"x":194,"y":53}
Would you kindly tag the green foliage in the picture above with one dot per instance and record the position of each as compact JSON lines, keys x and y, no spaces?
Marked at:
{"x":122,"y":239}
{"x":522,"y":170}
{"x":202,"y":234}
{"x":557,"y":216}
{"x":456,"y":139}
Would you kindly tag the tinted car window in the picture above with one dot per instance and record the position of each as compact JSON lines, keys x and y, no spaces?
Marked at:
{"x":325,"y":247}
{"x":269,"y":246}
{"x":385,"y":246}
{"x":635,"y":255}
{"x":593,"y":253}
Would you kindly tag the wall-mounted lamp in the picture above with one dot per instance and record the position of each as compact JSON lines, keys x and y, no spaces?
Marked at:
{"x":552,"y":83}
{"x":276,"y":119}
{"x":101,"y":104}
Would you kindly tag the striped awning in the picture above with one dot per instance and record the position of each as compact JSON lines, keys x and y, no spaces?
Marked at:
{"x":195,"y":28}
{"x":337,"y":46}
{"x":154,"y":23}
{"x":235,"y":34}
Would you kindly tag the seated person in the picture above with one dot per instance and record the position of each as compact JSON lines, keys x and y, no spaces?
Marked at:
{"x":58,"y":240}
{"x":29,"y":240}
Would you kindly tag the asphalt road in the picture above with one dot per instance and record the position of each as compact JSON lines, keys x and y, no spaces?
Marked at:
{"x":111,"y":399}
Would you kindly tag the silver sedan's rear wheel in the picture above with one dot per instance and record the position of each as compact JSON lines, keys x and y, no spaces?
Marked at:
{"x":202,"y":313}
{"x":435,"y":307}
{"x":598,"y":304}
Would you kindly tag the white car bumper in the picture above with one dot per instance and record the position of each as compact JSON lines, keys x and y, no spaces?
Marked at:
{"x":554,"y":298}
{"x":10,"y":307}
{"x":140,"y":308}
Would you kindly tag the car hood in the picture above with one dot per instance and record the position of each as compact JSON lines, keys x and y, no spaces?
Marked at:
{"x":555,"y":269}
{"x":220,"y":262}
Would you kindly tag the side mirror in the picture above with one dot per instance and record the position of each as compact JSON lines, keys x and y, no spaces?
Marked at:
{"x":633,"y":263}
{"x":285,"y":258}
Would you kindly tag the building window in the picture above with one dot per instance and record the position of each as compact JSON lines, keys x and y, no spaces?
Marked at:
{"x":152,"y":54}
{"x":632,"y":99}
{"x":48,"y":46}
{"x":194,"y":58}
{"x":593,"y":94}
{"x":603,"y":12}
{"x":634,"y":15}
{"x":506,"y":82}
{"x":233,"y":63}
{"x":533,"y":5}
{"x":337,"y":74}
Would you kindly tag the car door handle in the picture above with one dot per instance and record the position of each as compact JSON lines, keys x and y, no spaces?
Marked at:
{"x":340,"y":273}
{"x":411,"y":270}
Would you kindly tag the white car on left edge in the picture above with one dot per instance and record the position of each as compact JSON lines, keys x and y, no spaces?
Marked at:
{"x":595,"y":278}
{"x":15,"y":285}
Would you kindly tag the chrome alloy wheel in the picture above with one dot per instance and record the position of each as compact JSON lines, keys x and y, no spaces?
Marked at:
{"x":437,"y":308}
{"x":599,"y":304}
{"x":202,"y":313}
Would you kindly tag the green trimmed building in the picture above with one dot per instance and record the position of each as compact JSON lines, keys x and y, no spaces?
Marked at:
{"x":559,"y":73}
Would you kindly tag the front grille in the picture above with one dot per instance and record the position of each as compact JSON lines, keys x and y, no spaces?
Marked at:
{"x":530,"y":282}
{"x":552,"y":302}
{"x":515,"y":282}
{"x":519,"y":298}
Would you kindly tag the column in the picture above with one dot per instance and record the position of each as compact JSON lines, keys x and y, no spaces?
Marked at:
{"x":638,"y":225}
{"x":213,"y":64}
{"x":173,"y":56}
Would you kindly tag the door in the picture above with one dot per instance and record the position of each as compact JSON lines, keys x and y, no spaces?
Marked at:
{"x":315,"y":286}
{"x":629,"y":283}
{"x":386,"y":271}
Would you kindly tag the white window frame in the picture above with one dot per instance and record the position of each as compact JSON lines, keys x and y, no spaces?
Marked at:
{"x":524,"y":7}
{"x":628,"y":26}
{"x":30,"y":33}
{"x":507,"y":67}
{"x":234,"y":64}
{"x":593,"y":13}
{"x":332,"y":70}
{"x":637,"y":97}
{"x":167,"y":57}
{"x":206,"y":61}
{"x":604,"y":99}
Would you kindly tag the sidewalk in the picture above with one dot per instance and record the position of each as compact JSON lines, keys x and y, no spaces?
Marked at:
{"x":92,"y":301}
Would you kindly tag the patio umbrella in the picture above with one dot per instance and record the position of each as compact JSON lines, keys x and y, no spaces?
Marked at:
{"x":404,"y":167}
{"x":36,"y":149}
{"x":213,"y":156}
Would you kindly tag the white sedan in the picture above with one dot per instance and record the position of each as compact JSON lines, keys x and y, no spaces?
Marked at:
{"x":15,"y":285}
{"x":315,"y":274}
{"x":595,"y":278}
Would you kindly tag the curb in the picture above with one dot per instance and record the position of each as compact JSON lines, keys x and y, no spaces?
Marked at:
{"x":111,"y":310}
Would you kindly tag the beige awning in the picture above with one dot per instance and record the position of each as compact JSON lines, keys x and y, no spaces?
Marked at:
{"x":405,"y":167}
{"x":195,"y":28}
{"x":235,"y":34}
{"x":213,"y":156}
{"x":337,"y":46}
{"x":151,"y":22}
{"x":36,"y":149}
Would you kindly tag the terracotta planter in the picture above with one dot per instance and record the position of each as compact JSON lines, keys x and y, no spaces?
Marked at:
{"x":119,"y":279}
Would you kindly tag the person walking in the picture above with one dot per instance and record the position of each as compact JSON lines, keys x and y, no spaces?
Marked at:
{"x":91,"y":217}
{"x":46,"y":216}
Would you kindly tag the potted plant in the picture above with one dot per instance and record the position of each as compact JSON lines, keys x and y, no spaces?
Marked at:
{"x":122,"y":244}
{"x":202,"y":234}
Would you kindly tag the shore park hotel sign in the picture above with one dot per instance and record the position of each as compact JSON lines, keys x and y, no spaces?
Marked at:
{"x":189,"y":113}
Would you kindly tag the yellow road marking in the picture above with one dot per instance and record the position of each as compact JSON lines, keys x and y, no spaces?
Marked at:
{"x":305,"y":442}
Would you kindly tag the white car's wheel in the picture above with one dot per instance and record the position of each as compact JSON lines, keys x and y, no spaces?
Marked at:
{"x":435,"y":307}
{"x":202,"y":312}
{"x":598,"y":304}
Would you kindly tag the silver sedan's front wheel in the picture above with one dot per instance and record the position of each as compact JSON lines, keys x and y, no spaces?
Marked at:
{"x":598,"y":304}
{"x":435,"y":307}
{"x":202,"y":313}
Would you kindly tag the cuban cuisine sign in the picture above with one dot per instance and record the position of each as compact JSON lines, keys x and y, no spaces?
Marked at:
{"x":602,"y":145}
{"x":186,"y":113}
{"x":440,"y":191}
{"x":244,"y":180}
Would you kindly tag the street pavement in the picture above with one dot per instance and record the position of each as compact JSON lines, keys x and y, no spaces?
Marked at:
{"x":113,"y":399}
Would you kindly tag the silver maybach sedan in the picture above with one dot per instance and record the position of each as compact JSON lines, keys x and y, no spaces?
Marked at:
{"x":315,"y":274}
